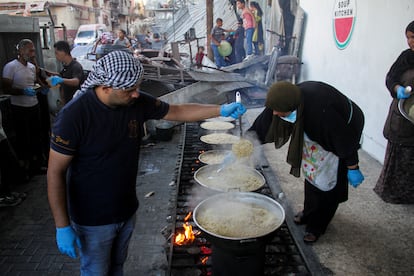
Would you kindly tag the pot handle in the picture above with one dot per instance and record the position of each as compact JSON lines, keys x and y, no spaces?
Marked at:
{"x":248,"y":240}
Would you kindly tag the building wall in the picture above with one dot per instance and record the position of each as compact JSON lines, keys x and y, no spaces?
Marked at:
{"x":358,"y":70}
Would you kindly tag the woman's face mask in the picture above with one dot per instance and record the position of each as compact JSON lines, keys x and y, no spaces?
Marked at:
{"x":291,"y":118}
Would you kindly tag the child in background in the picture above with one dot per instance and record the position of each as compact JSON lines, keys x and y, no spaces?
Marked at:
{"x":239,"y":51}
{"x":199,"y":57}
{"x":257,"y":39}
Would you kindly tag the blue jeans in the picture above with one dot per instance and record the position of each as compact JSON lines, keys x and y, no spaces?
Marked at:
{"x":249,"y":41}
{"x":104,"y":247}
{"x":217,"y":57}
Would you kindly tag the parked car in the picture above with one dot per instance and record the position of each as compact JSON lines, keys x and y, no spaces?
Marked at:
{"x":88,"y":34}
{"x":87,"y":55}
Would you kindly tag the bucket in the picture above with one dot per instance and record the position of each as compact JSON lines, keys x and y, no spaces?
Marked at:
{"x":164,"y":131}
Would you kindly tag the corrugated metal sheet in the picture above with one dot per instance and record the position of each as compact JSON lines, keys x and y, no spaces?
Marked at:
{"x":216,"y":77}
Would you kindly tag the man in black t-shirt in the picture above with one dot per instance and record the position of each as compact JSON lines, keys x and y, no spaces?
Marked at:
{"x":71,"y":76}
{"x":93,"y":160}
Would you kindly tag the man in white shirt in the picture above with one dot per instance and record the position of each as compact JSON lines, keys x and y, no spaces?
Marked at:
{"x":19,"y":76}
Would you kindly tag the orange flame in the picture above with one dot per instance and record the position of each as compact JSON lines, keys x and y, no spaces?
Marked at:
{"x":188,"y":216}
{"x":204,"y":260}
{"x":186,"y":237}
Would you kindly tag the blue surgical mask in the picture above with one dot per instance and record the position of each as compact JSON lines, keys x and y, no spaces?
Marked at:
{"x":291,"y":118}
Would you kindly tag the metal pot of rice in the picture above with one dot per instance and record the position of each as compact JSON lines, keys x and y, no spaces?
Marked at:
{"x":239,"y":222}
{"x":229,"y":178}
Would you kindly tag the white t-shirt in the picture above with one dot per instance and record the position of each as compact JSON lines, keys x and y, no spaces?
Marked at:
{"x":23,"y":77}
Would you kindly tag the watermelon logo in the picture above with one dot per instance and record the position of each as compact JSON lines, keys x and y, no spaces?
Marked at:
{"x":344,"y":14}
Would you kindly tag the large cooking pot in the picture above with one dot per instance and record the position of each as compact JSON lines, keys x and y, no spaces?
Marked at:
{"x":239,"y":222}
{"x":227,"y":178}
{"x":404,"y":106}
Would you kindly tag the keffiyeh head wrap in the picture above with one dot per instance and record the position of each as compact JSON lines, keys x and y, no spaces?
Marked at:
{"x":117,"y":69}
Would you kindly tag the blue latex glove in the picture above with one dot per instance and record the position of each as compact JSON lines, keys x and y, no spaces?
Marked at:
{"x":29,"y":91}
{"x":234,"y":110}
{"x":66,"y":239}
{"x":44,"y":90}
{"x":355,"y":177}
{"x":401,"y":93}
{"x":55,"y":80}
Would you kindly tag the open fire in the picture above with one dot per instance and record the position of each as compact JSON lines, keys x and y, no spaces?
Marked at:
{"x":187,"y":236}
{"x":191,"y":253}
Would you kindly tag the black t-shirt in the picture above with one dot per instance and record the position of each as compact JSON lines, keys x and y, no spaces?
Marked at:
{"x":72,"y":70}
{"x":105,"y":145}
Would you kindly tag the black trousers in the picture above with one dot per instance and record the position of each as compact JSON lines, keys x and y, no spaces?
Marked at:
{"x":27,"y":143}
{"x":319,"y":208}
{"x":9,"y":168}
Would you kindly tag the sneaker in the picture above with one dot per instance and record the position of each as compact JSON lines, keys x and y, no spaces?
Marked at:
{"x":9,"y":201}
{"x":249,"y":57}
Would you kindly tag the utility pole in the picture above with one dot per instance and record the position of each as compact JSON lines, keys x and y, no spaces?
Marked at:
{"x":209,"y":27}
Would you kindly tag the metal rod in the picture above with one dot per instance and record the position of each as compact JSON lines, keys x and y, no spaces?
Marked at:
{"x":238,"y":100}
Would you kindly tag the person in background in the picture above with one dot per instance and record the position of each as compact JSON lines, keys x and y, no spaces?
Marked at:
{"x":249,"y":25}
{"x":239,"y":52}
{"x":395,"y":183}
{"x":324,"y":128}
{"x":71,"y":76}
{"x":122,"y":39}
{"x":230,"y":59}
{"x":257,"y":39}
{"x":199,"y":57}
{"x":9,"y":165}
{"x":216,"y":36}
{"x":93,"y":160}
{"x":19,"y":76}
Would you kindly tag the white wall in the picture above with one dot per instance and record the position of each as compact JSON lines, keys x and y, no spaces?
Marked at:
{"x":358,"y":70}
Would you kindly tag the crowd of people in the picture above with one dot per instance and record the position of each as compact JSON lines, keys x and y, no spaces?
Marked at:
{"x":246,"y":40}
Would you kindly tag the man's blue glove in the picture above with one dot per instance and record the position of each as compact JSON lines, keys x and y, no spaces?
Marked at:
{"x":355,"y":177}
{"x":66,"y":239}
{"x":235,"y":110}
{"x":29,"y":91}
{"x":44,"y":90}
{"x":55,"y":80}
{"x":401,"y":93}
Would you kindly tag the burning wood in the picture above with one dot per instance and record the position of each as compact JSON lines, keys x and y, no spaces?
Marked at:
{"x":187,"y":236}
{"x":204,"y":260}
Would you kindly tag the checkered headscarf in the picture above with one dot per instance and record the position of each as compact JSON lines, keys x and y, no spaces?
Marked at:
{"x":117,"y":69}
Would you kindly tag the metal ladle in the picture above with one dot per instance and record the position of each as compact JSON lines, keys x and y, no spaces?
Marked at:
{"x":230,"y":156}
{"x":238,"y":100}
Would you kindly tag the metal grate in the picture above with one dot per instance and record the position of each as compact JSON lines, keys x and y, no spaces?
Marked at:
{"x":282,"y":256}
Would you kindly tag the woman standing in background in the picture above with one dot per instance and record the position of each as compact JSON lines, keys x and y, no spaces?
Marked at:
{"x":257,"y":39}
{"x":249,"y":25}
{"x":395,"y":184}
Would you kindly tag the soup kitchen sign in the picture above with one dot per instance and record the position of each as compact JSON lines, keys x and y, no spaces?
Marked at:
{"x":344,"y":15}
